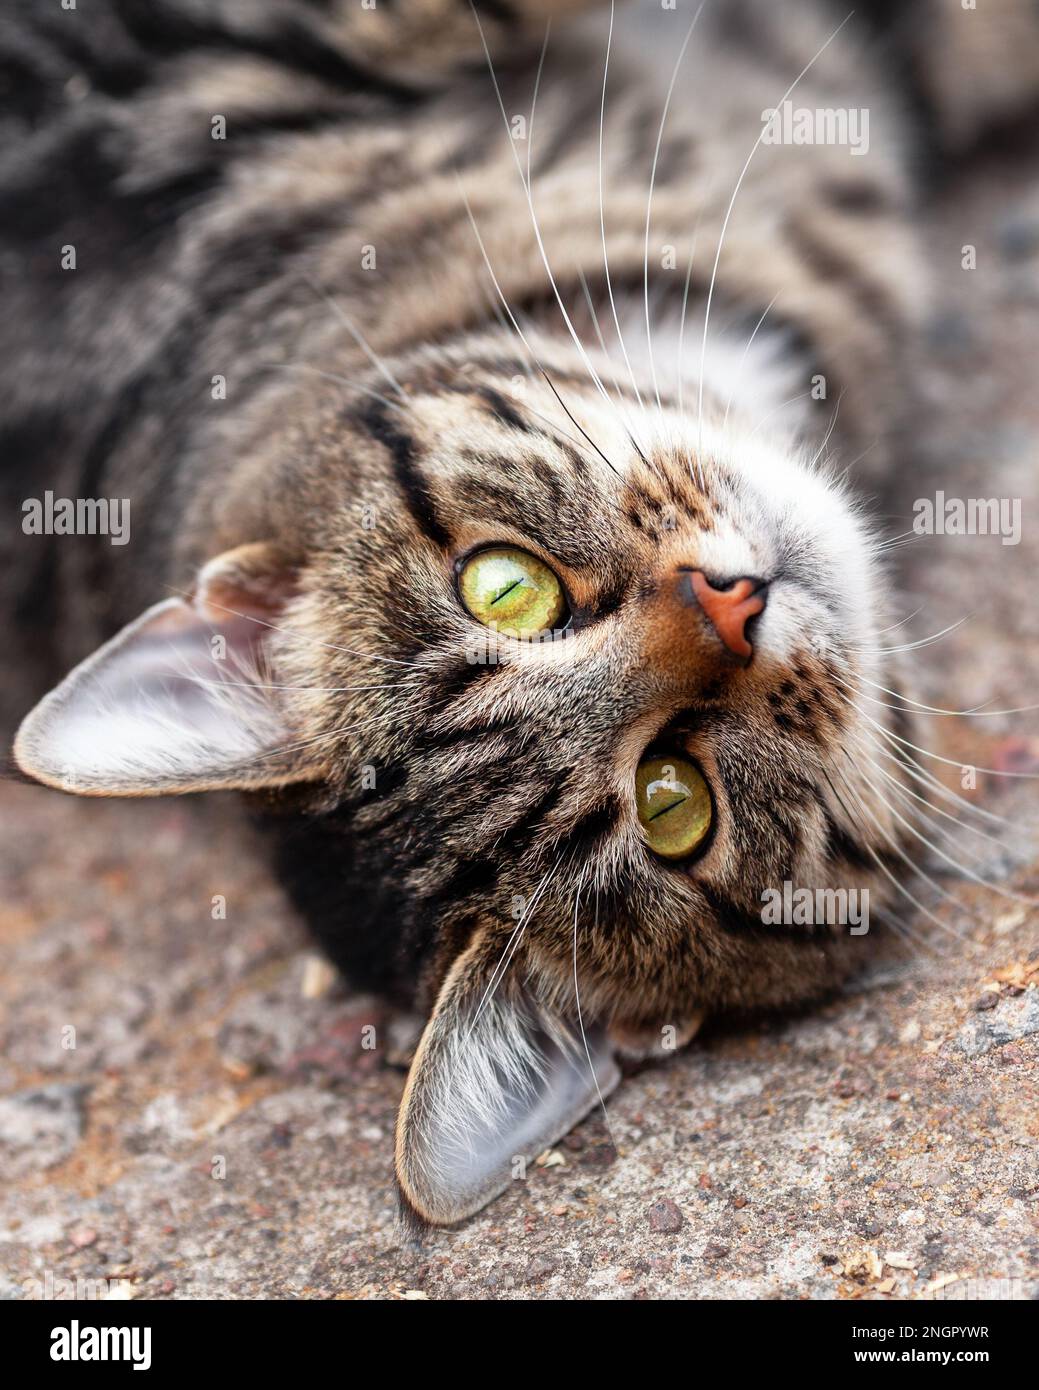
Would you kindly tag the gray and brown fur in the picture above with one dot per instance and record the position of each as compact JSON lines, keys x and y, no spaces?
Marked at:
{"x":362,"y":486}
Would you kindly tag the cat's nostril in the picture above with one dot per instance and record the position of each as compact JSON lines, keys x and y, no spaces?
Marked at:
{"x":730,"y":607}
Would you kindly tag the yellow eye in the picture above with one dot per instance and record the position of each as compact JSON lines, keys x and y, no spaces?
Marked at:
{"x":674,"y":805}
{"x":512,"y":591}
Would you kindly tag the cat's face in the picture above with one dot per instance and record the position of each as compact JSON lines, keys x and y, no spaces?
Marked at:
{"x":506,"y":759}
{"x":508,"y":804}
{"x":575,"y":809}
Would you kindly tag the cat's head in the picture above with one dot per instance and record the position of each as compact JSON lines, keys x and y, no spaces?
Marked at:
{"x":586,"y":686}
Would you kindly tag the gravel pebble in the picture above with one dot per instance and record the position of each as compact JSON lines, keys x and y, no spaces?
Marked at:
{"x":665,"y":1218}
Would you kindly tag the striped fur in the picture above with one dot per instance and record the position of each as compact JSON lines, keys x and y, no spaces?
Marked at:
{"x":418,"y":360}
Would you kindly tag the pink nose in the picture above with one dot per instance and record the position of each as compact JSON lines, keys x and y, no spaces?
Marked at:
{"x":731,"y":609}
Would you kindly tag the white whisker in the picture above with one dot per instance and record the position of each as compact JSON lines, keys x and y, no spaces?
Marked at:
{"x":359,"y":338}
{"x":296,"y":636}
{"x":743,"y":358}
{"x":913,"y":867}
{"x":511,"y":945}
{"x":728,"y":215}
{"x":649,"y":201}
{"x":602,"y":209}
{"x":580,"y":1017}
{"x":334,"y":376}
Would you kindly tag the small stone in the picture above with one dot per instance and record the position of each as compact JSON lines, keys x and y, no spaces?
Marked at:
{"x":1016,"y":1019}
{"x":119,"y":1291}
{"x":539,"y":1269}
{"x":40,"y":1127}
{"x":83,"y":1237}
{"x":240,"y":1071}
{"x":985,"y":1001}
{"x":1007,"y":922}
{"x":665,"y":1218}
{"x":714,"y":1251}
{"x":599,"y":1156}
{"x":318,"y":977}
{"x":551,"y":1158}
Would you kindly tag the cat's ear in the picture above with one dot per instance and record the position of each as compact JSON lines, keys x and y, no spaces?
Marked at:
{"x":183,"y":699}
{"x":496,"y":1079}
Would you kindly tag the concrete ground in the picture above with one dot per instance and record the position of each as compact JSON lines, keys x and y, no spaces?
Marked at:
{"x":188,"y":1109}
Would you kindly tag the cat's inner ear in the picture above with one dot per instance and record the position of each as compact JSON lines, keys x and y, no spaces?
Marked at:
{"x":496,"y":1079}
{"x":185,"y":698}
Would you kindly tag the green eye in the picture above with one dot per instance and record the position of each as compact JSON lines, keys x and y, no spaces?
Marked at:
{"x":512,"y":590}
{"x":674,"y":805}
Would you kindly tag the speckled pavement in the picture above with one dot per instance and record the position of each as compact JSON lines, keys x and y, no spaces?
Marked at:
{"x":220,"y":1128}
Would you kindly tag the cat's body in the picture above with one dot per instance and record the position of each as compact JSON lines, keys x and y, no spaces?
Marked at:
{"x":199,"y":257}
{"x":343,"y":351}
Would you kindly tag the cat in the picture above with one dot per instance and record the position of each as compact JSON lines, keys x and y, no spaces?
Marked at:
{"x":485,"y":409}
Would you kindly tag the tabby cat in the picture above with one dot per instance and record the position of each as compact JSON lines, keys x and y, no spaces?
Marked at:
{"x":487,"y":402}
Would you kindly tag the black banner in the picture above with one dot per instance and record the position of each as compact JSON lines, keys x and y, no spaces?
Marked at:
{"x":73,"y":1339}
